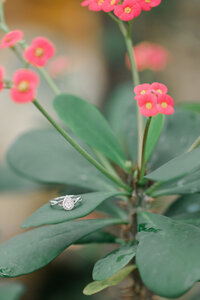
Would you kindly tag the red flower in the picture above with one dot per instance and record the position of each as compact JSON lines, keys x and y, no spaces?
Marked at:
{"x":109,"y":5}
{"x":142,"y":89}
{"x":94,"y":5}
{"x":39,"y":52}
{"x":159,"y":88}
{"x":148,"y":4}
{"x":25,"y":85}
{"x":165,"y":105}
{"x":11,"y":38}
{"x":148,"y":105}
{"x":128,"y":10}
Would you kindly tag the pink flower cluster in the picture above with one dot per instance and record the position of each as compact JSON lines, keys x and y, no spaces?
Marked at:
{"x":126,"y":11}
{"x":25,"y":82}
{"x":153,"y":99}
{"x":37,"y":54}
{"x":150,"y":56}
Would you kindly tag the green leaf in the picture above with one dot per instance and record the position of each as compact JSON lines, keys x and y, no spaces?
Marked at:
{"x":9,"y":180}
{"x":11,"y":291}
{"x":186,"y":209}
{"x":34,"y":249}
{"x":180,"y":131}
{"x":191,"y":106}
{"x":97,"y":286}
{"x":187,"y":204}
{"x":121,"y":111}
{"x":167,"y":255}
{"x":54,"y":215}
{"x":87,"y":123}
{"x":113,"y":262}
{"x":188,"y":185}
{"x":155,"y":130}
{"x":177,"y":167}
{"x":100,"y":237}
{"x":44,"y":156}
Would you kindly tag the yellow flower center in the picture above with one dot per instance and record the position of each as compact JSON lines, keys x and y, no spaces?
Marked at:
{"x":159,"y":91}
{"x":100,"y":2}
{"x":127,"y":10}
{"x":143,"y":92}
{"x":23,"y":86}
{"x":39,"y":52}
{"x":164,"y":105}
{"x":112,"y":2}
{"x":147,"y":1}
{"x":148,"y":105}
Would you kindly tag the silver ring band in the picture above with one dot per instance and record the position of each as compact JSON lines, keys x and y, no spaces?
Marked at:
{"x":67,"y":202}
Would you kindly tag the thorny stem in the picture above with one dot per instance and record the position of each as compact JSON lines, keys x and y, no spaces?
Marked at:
{"x":82,"y":151}
{"x":141,"y":175}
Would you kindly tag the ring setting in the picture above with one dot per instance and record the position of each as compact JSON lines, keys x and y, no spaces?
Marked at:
{"x":67,"y":202}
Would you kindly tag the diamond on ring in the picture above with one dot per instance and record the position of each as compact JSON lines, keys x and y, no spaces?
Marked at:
{"x":67,"y":202}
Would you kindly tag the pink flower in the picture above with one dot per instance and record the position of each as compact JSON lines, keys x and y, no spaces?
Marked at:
{"x":165,"y":105}
{"x":150,"y":56}
{"x":148,"y":4}
{"x":25,"y":83}
{"x":148,"y":105}
{"x":11,"y":38}
{"x":94,"y":5}
{"x":109,"y":5}
{"x":1,"y":78}
{"x":128,"y":10}
{"x":39,"y":52}
{"x":159,"y":88}
{"x":142,"y":89}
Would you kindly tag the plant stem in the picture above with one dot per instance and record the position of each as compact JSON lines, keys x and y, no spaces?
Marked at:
{"x":49,"y":80}
{"x":82,"y":151}
{"x":195,"y":145}
{"x":141,"y":175}
{"x":136,"y":81}
{"x":3,"y":25}
{"x":105,"y":162}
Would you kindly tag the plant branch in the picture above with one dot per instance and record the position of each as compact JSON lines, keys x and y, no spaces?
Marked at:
{"x":82,"y":151}
{"x":136,"y":81}
{"x":141,"y":174}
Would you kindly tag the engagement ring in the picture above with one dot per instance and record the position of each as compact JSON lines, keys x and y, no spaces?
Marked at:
{"x":67,"y":202}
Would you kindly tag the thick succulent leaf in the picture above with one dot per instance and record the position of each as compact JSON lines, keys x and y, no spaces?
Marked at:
{"x":100,"y":237}
{"x":11,"y":290}
{"x":114,"y":261}
{"x":44,"y":156}
{"x":187,"y":185}
{"x":9,"y":180}
{"x":191,"y":106}
{"x":87,"y":123}
{"x":186,"y":209}
{"x":121,"y":111}
{"x":180,"y":131}
{"x":34,"y":249}
{"x":54,"y":215}
{"x":154,"y":132}
{"x":187,"y":204}
{"x":167,"y":254}
{"x":97,"y":286}
{"x":177,"y":167}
